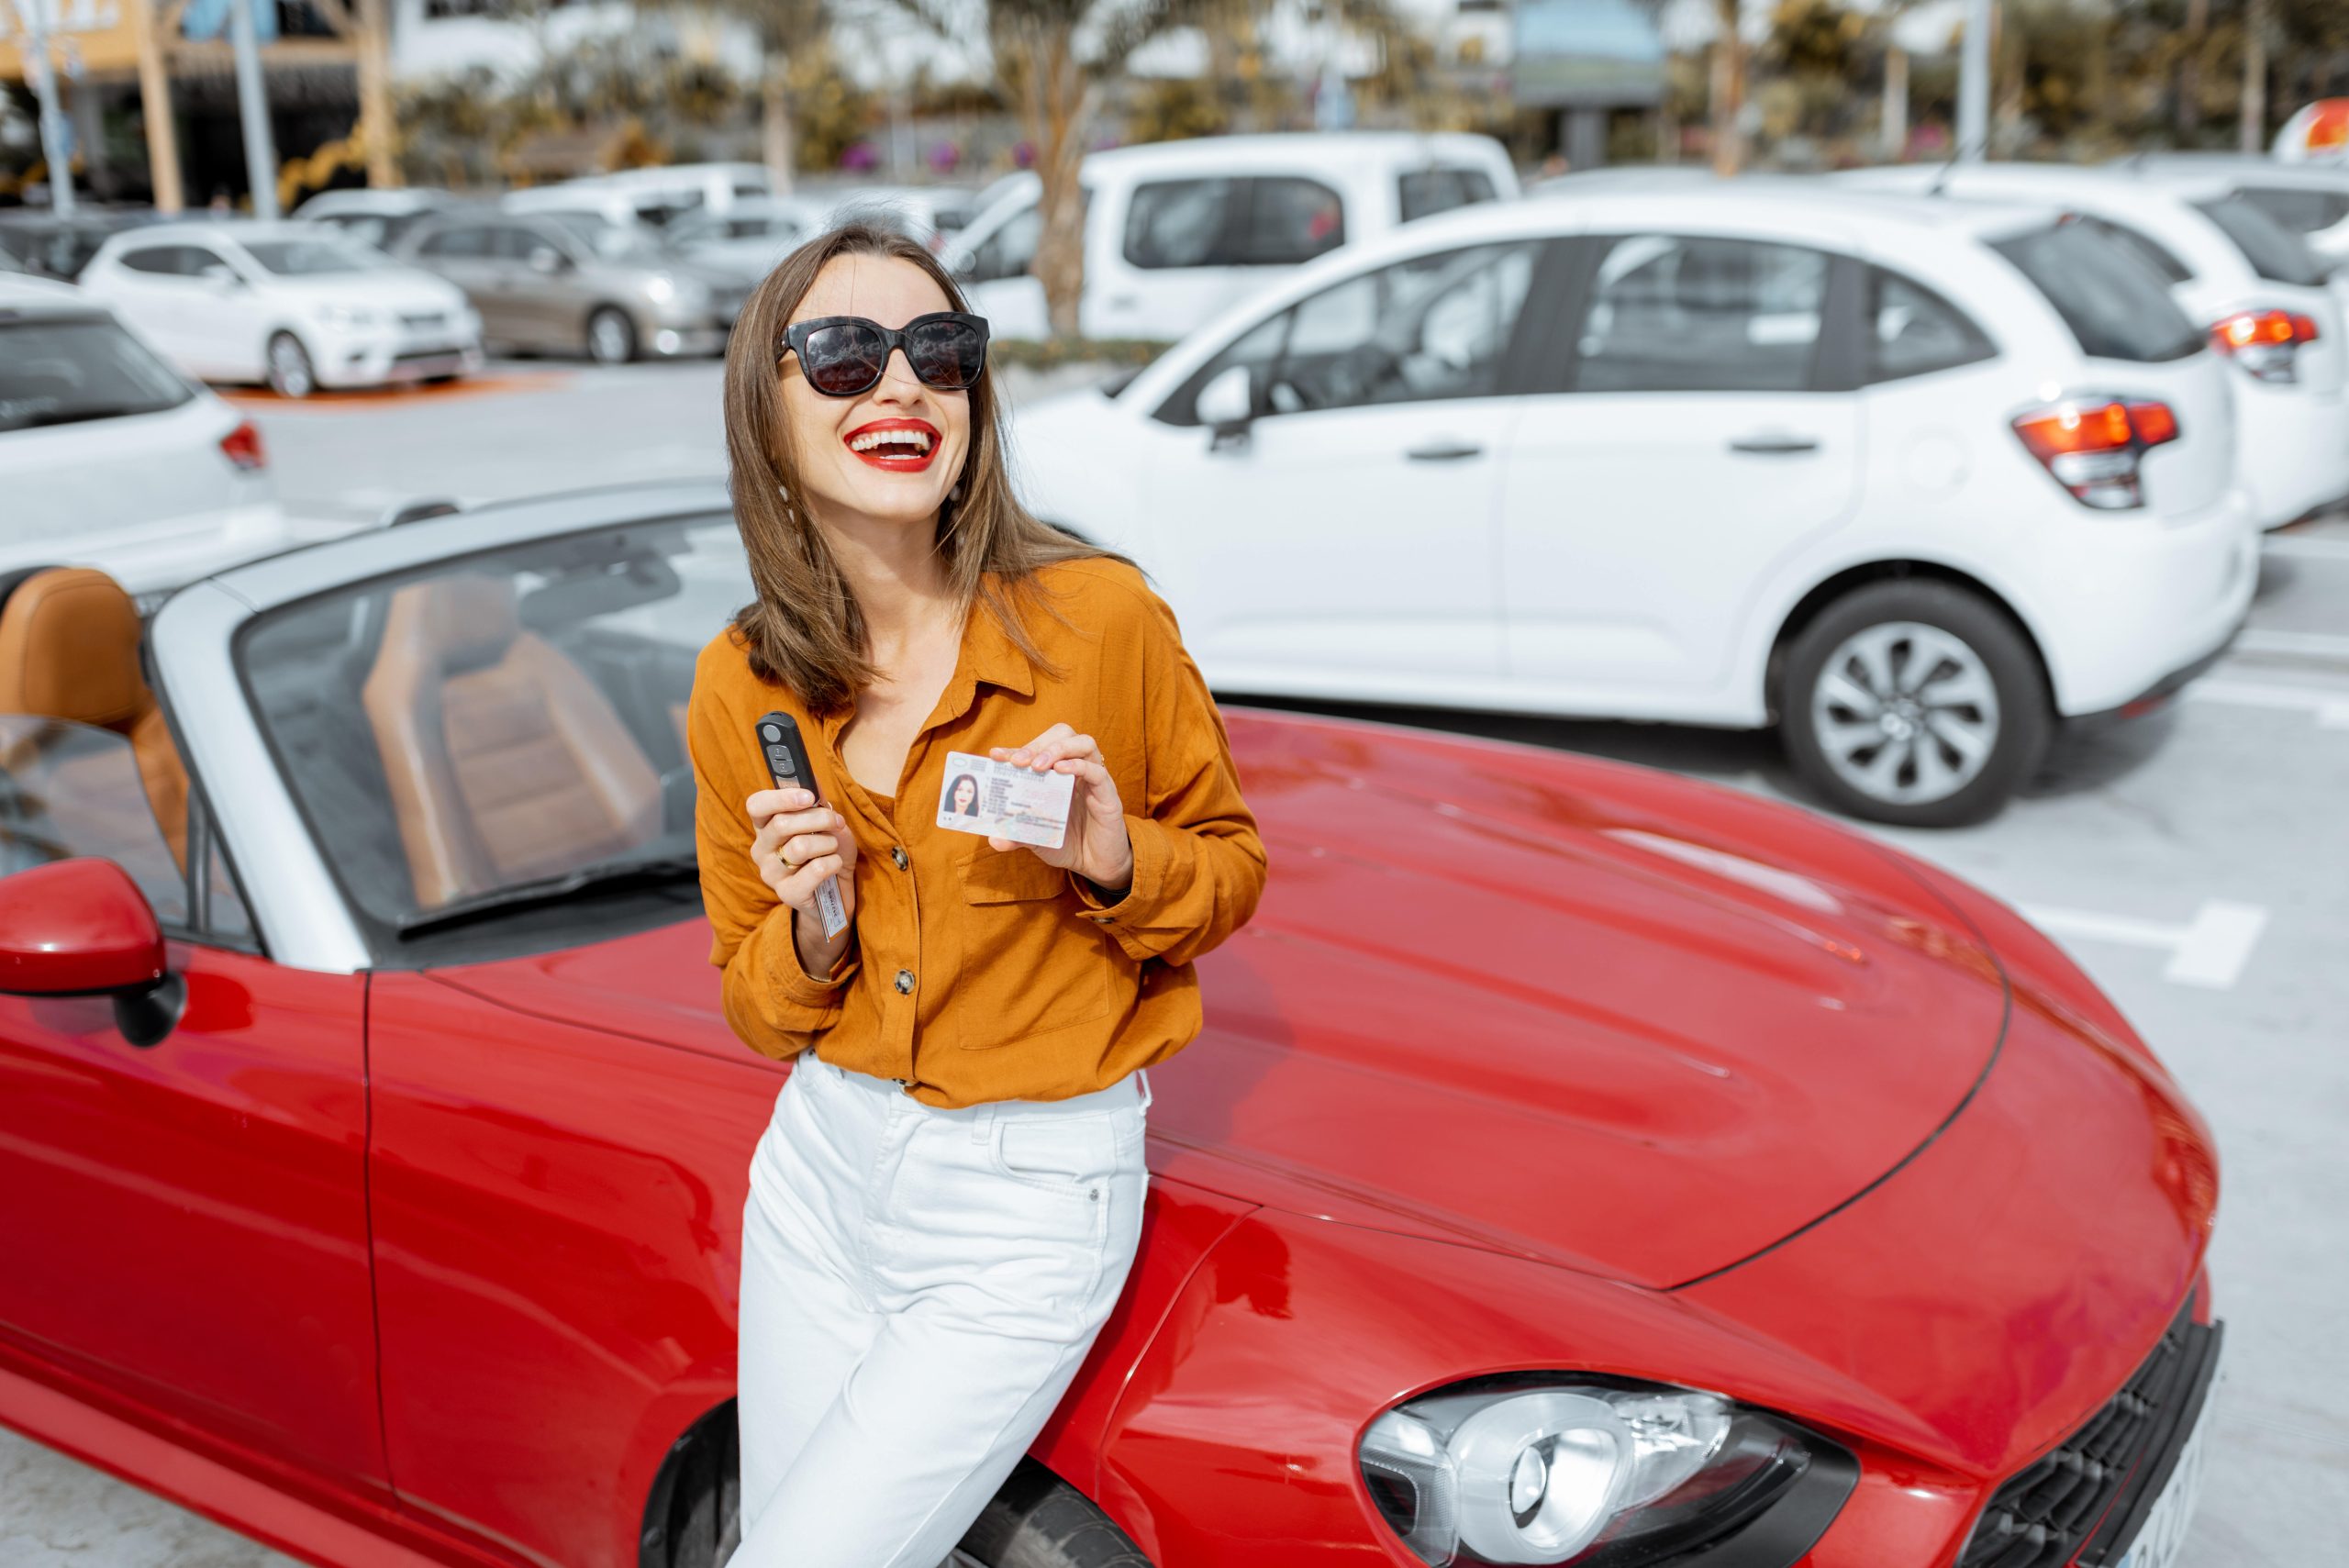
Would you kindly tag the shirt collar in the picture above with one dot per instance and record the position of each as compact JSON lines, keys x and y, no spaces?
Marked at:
{"x":990,"y":655}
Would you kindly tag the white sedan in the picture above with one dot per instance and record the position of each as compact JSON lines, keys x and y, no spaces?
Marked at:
{"x":110,"y":458}
{"x":291,"y":304}
{"x":1911,"y":480}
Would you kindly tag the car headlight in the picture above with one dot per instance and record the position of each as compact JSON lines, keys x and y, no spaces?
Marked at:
{"x":1597,"y":1475}
{"x":347,"y":315}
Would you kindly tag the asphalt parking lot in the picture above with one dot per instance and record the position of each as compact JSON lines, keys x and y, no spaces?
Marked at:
{"x":2193,"y":860}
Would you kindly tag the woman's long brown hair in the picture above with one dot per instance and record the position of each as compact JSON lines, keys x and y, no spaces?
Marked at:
{"x":806,"y":630}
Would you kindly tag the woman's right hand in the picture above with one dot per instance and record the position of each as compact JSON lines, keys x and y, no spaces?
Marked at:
{"x":799,"y":843}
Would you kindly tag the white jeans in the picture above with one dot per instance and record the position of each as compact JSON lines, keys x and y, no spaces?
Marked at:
{"x":918,"y":1289}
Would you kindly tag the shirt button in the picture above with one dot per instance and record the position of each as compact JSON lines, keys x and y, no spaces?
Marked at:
{"x":897,"y":853}
{"x":904,"y":981}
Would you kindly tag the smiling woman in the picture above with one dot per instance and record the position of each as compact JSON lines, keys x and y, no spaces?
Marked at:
{"x":964,"y":1116}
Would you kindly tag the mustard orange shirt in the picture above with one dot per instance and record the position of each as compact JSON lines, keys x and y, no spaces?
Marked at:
{"x":977,"y":973}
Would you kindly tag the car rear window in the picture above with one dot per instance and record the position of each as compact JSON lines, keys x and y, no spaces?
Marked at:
{"x":71,"y":372}
{"x":2300,"y":208}
{"x":2274,"y":251}
{"x":2116,"y":305}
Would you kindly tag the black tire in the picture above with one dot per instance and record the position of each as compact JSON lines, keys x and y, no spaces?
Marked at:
{"x":1034,"y":1520}
{"x":287,"y":368}
{"x":1918,"y":753}
{"x":611,"y":336}
{"x":1037,"y":1520}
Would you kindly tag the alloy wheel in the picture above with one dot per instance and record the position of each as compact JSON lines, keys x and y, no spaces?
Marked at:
{"x":1905,"y":712}
{"x":289,"y":368}
{"x":609,"y":338}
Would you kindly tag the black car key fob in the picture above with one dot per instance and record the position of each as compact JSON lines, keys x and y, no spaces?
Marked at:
{"x":787,"y":765}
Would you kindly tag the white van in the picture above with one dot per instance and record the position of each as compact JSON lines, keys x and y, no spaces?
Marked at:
{"x":1176,"y":231}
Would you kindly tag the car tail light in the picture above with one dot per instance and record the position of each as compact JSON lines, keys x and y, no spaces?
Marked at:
{"x":2265,"y":342}
{"x":2093,"y":446}
{"x":241,"y":446}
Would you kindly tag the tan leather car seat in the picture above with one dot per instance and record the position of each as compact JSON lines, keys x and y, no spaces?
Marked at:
{"x":69,"y":650}
{"x":504,"y":761}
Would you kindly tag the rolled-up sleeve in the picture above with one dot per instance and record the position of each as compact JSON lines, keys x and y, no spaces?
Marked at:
{"x":1198,"y":862}
{"x":774,"y":1006}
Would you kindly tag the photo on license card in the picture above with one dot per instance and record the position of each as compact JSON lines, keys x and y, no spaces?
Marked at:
{"x":983,"y":795}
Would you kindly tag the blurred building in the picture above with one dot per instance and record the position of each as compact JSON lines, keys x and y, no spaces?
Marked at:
{"x":433,"y":38}
{"x":149,"y":82}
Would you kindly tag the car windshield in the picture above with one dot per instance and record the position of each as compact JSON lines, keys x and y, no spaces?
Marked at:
{"x":308,"y":257}
{"x":2274,"y":251}
{"x":461,"y":736}
{"x":74,"y":370}
{"x":2114,"y":302}
{"x":613,"y":242}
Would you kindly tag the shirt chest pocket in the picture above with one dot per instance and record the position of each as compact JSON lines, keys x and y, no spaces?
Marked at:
{"x":1030,"y":963}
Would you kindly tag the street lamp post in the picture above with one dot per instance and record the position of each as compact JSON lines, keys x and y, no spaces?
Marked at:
{"x":252,"y":106}
{"x":1974,"y":85}
{"x":41,"y":74}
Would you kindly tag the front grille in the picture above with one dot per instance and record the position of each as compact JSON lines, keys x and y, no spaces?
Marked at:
{"x":2091,"y":1491}
{"x":428,"y":319}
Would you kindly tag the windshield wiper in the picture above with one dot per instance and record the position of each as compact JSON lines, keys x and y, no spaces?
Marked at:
{"x":606,"y":877}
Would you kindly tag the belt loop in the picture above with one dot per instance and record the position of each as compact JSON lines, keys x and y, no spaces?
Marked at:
{"x":982,"y":1121}
{"x":1143,"y":1074}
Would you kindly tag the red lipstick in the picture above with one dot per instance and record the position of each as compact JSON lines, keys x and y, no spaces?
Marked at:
{"x":899,"y":446}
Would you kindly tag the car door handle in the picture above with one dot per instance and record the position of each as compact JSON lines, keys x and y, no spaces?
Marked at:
{"x":1776,"y":445}
{"x":1444,"y":451}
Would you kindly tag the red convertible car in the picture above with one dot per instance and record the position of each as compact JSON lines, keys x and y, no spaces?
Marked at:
{"x":1580,"y":1165}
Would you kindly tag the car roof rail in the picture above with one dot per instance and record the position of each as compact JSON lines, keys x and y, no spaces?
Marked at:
{"x":416,"y":510}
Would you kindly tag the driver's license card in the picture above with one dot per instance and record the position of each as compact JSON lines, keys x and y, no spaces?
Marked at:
{"x":983,"y":795}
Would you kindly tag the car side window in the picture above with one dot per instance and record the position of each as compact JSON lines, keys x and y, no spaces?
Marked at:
{"x":1430,"y":329}
{"x":71,"y":789}
{"x":1679,"y":313}
{"x":1010,"y":249}
{"x":456,"y":243}
{"x":510,"y":243}
{"x":1423,"y":192}
{"x":197,"y":260}
{"x":1179,"y":223}
{"x":1290,"y":221}
{"x":157,"y":260}
{"x":224,"y":918}
{"x":2143,"y":246}
{"x":1914,"y":331}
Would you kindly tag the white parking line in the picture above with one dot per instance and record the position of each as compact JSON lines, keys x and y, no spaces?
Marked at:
{"x":2315,"y":644}
{"x":2208,"y":951}
{"x":2308,"y":549}
{"x":2329,"y":709}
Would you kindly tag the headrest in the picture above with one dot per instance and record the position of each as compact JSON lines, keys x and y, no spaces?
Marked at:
{"x":455,"y":623}
{"x":68,"y":648}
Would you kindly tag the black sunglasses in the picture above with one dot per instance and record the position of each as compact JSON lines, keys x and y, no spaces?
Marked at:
{"x":842,"y":356}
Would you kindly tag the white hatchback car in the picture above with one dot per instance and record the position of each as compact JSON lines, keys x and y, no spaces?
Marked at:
{"x":2250,"y":283}
{"x":2309,"y":199}
{"x":1911,"y":480}
{"x":1176,"y":231}
{"x":296,"y":305}
{"x":110,"y":458}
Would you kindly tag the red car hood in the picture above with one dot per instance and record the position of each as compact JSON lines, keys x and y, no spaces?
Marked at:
{"x":1572,"y":1010}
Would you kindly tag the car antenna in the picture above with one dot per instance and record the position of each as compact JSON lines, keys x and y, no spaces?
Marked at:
{"x":1941,"y":177}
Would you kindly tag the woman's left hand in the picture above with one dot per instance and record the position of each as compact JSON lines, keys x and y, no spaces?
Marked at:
{"x":1097,"y":846}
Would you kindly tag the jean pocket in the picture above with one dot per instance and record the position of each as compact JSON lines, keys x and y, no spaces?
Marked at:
{"x":1071,"y":1157}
